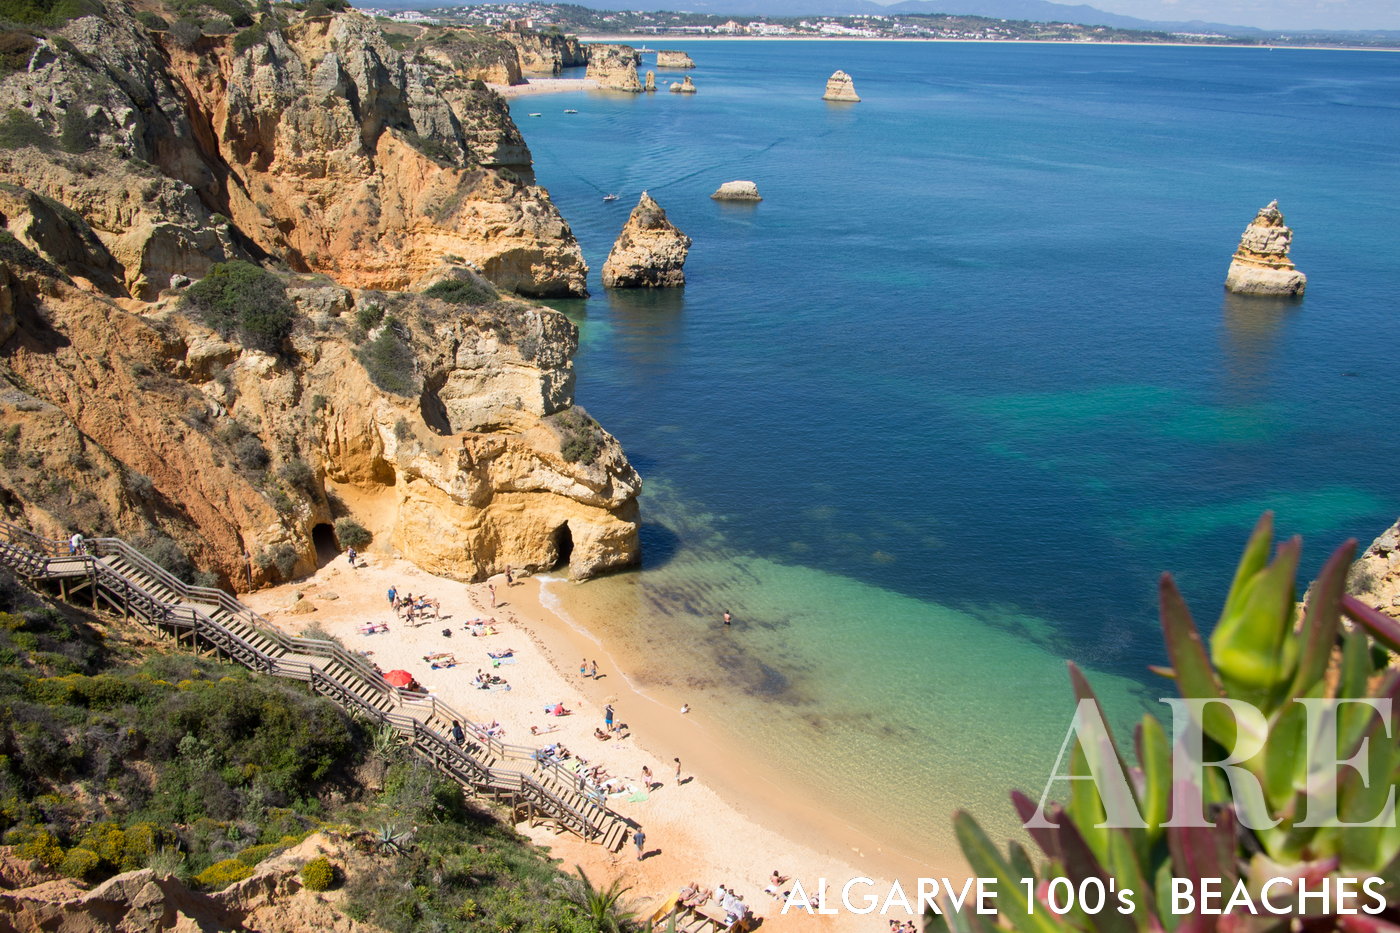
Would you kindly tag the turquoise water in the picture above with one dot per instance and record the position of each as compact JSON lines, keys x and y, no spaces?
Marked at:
{"x":934,"y":415}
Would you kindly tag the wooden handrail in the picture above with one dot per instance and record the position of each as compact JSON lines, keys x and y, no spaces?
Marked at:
{"x":33,"y":555}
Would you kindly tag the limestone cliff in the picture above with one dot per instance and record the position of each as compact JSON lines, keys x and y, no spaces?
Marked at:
{"x":649,"y":253}
{"x":614,"y":66}
{"x":1261,"y":265}
{"x":310,"y":139}
{"x":1375,"y":577}
{"x":840,"y":87}
{"x":670,"y":58}
{"x":686,"y":86}
{"x":444,"y":422}
{"x":650,"y":84}
{"x":545,"y":53}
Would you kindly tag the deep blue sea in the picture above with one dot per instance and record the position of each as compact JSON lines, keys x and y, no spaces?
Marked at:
{"x":934,"y":416}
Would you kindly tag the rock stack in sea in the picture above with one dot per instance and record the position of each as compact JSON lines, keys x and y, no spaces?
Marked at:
{"x":840,"y":87}
{"x":669,"y":58}
{"x":683,"y":87}
{"x":737,"y":191}
{"x":651,"y":82}
{"x":1261,"y":265}
{"x":649,"y":253}
{"x":614,"y":67}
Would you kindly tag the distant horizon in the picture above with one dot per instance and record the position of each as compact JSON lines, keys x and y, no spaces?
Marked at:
{"x":1269,"y":15}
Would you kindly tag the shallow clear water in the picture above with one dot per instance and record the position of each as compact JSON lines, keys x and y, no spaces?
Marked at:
{"x":934,"y":415}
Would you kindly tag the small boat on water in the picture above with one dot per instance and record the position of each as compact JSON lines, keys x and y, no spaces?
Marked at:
{"x":536,"y":114}
{"x":609,"y":197}
{"x":571,"y":111}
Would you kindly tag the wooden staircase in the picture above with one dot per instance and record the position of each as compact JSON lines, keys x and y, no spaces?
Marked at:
{"x":112,"y":573}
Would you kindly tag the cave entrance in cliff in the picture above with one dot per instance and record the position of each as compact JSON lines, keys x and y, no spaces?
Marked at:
{"x":563,"y":546}
{"x":323,"y":536}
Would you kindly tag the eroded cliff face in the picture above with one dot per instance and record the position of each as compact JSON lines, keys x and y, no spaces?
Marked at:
{"x":614,"y":66}
{"x":312,"y":140}
{"x":1261,"y":265}
{"x":366,"y":171}
{"x":546,"y":53}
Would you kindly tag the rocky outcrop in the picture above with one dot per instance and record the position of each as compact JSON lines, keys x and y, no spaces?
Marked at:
{"x":473,"y":55}
{"x":272,"y":900}
{"x":1261,"y":265}
{"x":317,"y":143}
{"x":737,"y":191}
{"x":614,"y":66}
{"x":683,"y":87}
{"x":545,"y":53}
{"x":670,"y":58}
{"x":650,"y":84}
{"x":840,"y":87}
{"x":1375,"y":576}
{"x":649,"y":253}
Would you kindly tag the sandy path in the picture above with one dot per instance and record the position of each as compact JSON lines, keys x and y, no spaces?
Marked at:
{"x":691,"y":832}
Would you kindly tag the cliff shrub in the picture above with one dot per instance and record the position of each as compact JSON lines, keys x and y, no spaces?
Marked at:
{"x":222,"y":874}
{"x":461,"y":292}
{"x":152,"y":21}
{"x":18,"y":129}
{"x":164,"y":552}
{"x":282,"y":557}
{"x":15,"y":50}
{"x":580,"y":437}
{"x":80,"y":863}
{"x":351,"y":533}
{"x":318,"y":874}
{"x":388,"y":360}
{"x":47,"y":12}
{"x":239,"y":299}
{"x":298,"y":473}
{"x":251,"y":453}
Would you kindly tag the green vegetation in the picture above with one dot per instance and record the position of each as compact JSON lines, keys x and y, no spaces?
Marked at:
{"x":18,"y":129}
{"x":318,"y":874}
{"x":298,"y":474}
{"x":16,"y":47}
{"x":461,"y":292}
{"x":280,"y":557}
{"x":388,"y":359}
{"x":581,"y":438}
{"x":46,"y":12}
{"x":239,"y":299}
{"x":1264,"y":657}
{"x":351,"y":533}
{"x":164,"y":552}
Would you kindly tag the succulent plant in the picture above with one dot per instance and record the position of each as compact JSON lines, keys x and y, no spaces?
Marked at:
{"x":1287,"y":670}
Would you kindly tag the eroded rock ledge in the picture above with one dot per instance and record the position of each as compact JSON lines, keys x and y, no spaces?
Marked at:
{"x":1261,"y":265}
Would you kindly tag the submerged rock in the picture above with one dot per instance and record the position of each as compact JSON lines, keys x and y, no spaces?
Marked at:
{"x":683,"y":87}
{"x":737,"y":191}
{"x":840,"y":87}
{"x":649,"y":253}
{"x":670,"y":58}
{"x":1261,"y":265}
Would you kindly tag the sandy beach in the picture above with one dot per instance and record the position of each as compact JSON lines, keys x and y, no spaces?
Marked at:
{"x":533,"y":86}
{"x":700,"y":829}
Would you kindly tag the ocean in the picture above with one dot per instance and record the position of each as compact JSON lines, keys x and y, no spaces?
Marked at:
{"x":933,"y":417}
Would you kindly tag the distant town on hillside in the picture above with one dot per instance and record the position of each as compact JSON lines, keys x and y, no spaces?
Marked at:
{"x":571,"y":18}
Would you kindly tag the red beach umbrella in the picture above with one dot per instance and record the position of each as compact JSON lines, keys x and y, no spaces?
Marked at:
{"x":399,"y":678}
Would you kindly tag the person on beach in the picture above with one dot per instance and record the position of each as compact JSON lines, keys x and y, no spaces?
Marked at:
{"x":646,"y":776}
{"x":492,"y":588}
{"x":608,"y":717}
{"x":593,"y":670}
{"x":727,"y":617}
{"x":678,"y":770}
{"x":685,"y":708}
{"x":640,"y":838}
{"x":510,"y":581}
{"x":393,"y":596}
{"x":350,"y":555}
{"x":583,"y":667}
{"x":458,"y":735}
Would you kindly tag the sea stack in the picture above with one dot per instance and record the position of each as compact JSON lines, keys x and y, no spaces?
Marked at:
{"x":649,"y":253}
{"x":737,"y":191}
{"x":614,"y":67}
{"x":683,"y":87}
{"x":840,"y":87}
{"x":651,"y":82}
{"x":669,"y":58}
{"x":1261,"y":265}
